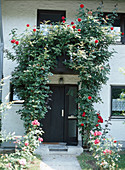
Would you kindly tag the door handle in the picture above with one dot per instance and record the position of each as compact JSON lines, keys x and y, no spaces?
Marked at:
{"x":62,"y":112}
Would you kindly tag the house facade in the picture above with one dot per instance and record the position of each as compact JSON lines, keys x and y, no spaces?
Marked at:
{"x":18,"y":13}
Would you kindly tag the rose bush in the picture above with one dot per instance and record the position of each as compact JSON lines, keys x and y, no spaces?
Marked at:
{"x":105,"y":150}
{"x":24,"y":149}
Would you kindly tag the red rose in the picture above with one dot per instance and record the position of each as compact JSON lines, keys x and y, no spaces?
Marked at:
{"x":82,"y":124}
{"x":63,"y":17}
{"x":68,"y":25}
{"x":98,"y":114}
{"x":28,"y":25}
{"x":17,"y":42}
{"x":81,"y":6}
{"x":79,"y":29}
{"x":99,"y":117}
{"x":96,"y":41}
{"x":122,"y":33}
{"x":101,"y":120}
{"x":98,"y":120}
{"x":83,"y":115}
{"x":13,"y":41}
{"x":115,"y":141}
{"x":97,"y":125}
{"x":89,"y":97}
{"x":26,"y":143}
{"x":73,"y":26}
{"x":79,"y":19}
{"x":34,"y":29}
{"x":112,"y":28}
{"x":63,"y":21}
{"x":96,"y":141}
{"x":72,"y":23}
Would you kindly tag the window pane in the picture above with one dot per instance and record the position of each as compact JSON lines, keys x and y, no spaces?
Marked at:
{"x":72,"y":128}
{"x":118,"y":101}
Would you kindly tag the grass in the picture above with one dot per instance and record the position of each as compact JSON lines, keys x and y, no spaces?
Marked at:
{"x":87,"y":161}
{"x":35,"y":165}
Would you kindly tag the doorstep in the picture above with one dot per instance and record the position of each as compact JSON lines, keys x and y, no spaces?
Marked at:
{"x":58,"y":149}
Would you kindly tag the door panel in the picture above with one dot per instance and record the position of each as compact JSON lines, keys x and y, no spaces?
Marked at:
{"x":53,"y":124}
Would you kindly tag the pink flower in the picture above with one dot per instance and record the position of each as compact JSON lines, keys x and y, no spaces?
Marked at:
{"x":13,"y":41}
{"x":35,"y":122}
{"x":107,"y":151}
{"x":26,"y":143}
{"x":97,"y":133}
{"x":68,"y":25}
{"x":9,"y":165}
{"x":90,"y":13}
{"x":96,"y":141}
{"x":22,"y":162}
{"x":40,"y":139}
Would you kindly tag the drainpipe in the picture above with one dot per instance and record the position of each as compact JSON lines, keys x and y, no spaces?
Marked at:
{"x":1,"y":59}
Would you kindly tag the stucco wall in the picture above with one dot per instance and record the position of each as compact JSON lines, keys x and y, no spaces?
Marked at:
{"x":16,"y":14}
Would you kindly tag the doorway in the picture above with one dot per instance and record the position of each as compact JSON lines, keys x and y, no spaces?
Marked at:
{"x":60,"y":123}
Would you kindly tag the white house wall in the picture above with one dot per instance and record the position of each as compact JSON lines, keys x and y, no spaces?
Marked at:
{"x":16,"y":14}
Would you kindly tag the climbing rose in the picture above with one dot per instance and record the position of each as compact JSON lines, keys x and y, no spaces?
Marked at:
{"x":22,"y":161}
{"x":28,"y":25}
{"x":35,"y":122}
{"x":82,"y":124}
{"x":89,"y":97}
{"x":34,"y":29}
{"x":96,"y":141}
{"x":112,"y":28}
{"x":68,"y":25}
{"x":72,"y":23}
{"x":63,"y":17}
{"x":79,"y":29}
{"x":97,"y":125}
{"x":81,"y":6}
{"x":79,"y":19}
{"x":73,"y":26}
{"x":40,"y":139}
{"x":63,"y":21}
{"x":83,"y":115}
{"x":13,"y":41}
{"x":96,"y":41}
{"x":115,"y":141}
{"x":26,"y":143}
{"x":90,"y":13}
{"x":17,"y":42}
{"x":122,"y":33}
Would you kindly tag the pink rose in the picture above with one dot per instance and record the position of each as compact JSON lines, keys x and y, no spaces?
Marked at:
{"x":26,"y":143}
{"x":107,"y":151}
{"x":35,"y":122}
{"x":22,"y":162}
{"x":40,"y":139}
{"x":96,"y":141}
{"x":9,"y":165}
{"x":97,"y":133}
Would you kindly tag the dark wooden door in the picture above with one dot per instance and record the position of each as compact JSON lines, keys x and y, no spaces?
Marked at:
{"x":60,"y":123}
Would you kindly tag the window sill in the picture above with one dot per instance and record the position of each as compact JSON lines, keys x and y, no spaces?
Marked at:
{"x":117,"y":117}
{"x":18,"y":101}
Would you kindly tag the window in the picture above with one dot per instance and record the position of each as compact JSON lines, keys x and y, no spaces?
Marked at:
{"x":119,"y":26}
{"x":118,"y":101}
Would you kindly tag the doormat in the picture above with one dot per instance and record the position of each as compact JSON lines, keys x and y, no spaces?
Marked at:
{"x":58,"y":148}
{"x":51,"y":143}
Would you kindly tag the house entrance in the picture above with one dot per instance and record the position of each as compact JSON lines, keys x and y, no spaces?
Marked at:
{"x":60,"y":123}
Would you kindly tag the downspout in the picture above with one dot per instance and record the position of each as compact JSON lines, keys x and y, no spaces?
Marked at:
{"x":1,"y":58}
